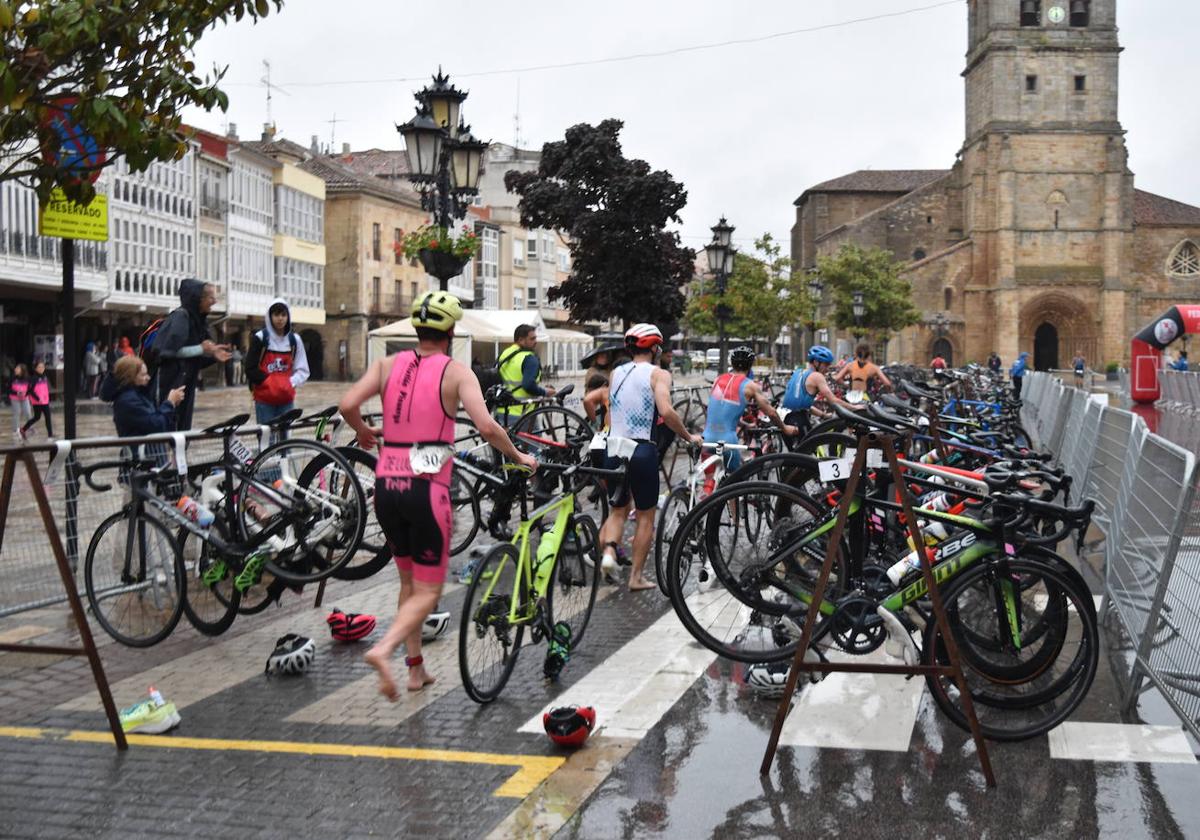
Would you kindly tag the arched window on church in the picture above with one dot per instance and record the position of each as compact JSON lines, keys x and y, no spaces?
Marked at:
{"x":1185,"y":260}
{"x":948,"y":299}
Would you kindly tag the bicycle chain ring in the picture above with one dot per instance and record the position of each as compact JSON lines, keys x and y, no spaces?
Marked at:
{"x":876,"y":583}
{"x":856,"y":627}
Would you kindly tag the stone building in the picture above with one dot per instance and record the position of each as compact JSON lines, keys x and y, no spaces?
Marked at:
{"x":1036,"y":238}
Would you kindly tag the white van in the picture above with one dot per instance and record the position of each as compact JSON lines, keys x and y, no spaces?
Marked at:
{"x":712,"y":358}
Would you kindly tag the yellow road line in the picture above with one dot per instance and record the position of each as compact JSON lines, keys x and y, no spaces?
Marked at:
{"x":532,"y":769}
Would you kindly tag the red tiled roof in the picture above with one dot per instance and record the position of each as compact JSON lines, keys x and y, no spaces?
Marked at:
{"x":1151,"y":209}
{"x":897,"y":181}
{"x":381,"y":163}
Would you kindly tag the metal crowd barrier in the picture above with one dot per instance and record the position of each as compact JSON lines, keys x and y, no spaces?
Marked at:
{"x":1147,"y":506}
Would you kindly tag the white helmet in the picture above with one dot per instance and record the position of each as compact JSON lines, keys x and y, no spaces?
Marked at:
{"x":434,"y":626}
{"x":768,"y":679}
{"x":292,"y":655}
{"x":643,"y":337}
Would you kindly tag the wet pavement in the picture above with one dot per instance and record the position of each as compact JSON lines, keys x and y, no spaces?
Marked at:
{"x":676,"y":755}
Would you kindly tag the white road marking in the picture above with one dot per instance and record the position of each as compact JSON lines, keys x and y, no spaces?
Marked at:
{"x":1121,"y":742}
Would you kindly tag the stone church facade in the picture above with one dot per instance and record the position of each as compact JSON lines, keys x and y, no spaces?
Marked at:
{"x":1036,"y":238}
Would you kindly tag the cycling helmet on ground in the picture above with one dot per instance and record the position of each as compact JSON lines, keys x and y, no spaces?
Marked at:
{"x":569,"y":726}
{"x":741,"y":358}
{"x":820,"y":353}
{"x":292,"y":655}
{"x":643,"y":337}
{"x":437,"y":311}
{"x":768,"y":679}
{"x":435,"y":625}
{"x":349,"y":627}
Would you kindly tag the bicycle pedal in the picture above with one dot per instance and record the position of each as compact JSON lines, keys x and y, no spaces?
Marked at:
{"x":250,"y":575}
{"x":214,"y":574}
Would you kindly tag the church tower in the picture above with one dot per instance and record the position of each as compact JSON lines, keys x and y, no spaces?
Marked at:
{"x":1047,"y":197}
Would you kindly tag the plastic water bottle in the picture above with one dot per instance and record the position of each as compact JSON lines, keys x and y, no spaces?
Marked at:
{"x":195,"y":511}
{"x":210,"y":489}
{"x":156,"y":698}
{"x":934,"y":532}
{"x":936,"y":501}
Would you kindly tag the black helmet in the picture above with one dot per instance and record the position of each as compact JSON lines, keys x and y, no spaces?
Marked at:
{"x":741,"y":358}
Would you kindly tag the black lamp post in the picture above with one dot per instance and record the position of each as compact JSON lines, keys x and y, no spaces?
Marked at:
{"x":720,"y":255}
{"x":815,"y":288}
{"x":445,"y":161}
{"x":859,"y":308}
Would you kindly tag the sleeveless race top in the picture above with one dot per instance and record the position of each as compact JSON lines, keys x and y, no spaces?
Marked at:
{"x":414,"y":418}
{"x":40,"y":394}
{"x":726,"y":403}
{"x":797,"y":397}
{"x":631,"y":402}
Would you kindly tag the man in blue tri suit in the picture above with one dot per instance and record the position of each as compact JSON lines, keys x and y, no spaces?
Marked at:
{"x":727,"y":402}
{"x":808,"y":385}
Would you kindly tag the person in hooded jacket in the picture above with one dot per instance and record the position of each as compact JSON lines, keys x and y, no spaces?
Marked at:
{"x":184,"y":347}
{"x":1017,"y":372}
{"x":135,"y":412}
{"x":276,"y":364}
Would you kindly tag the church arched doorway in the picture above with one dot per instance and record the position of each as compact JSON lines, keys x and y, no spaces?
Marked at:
{"x":1045,"y":347}
{"x":942,"y":347}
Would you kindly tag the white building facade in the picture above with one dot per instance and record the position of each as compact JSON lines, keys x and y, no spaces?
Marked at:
{"x":251,"y":232}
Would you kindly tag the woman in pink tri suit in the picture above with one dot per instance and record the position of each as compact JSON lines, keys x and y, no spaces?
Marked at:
{"x":421,"y":391}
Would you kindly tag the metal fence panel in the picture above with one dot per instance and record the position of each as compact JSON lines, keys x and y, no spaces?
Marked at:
{"x":1108,"y":463}
{"x":1071,"y":397}
{"x":1085,"y":434}
{"x":1066,"y":437}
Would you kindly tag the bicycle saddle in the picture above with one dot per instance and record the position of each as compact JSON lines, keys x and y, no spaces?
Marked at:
{"x":286,"y":419}
{"x":227,"y":425}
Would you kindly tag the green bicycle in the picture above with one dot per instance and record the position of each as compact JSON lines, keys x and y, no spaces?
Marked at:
{"x":546,"y":579}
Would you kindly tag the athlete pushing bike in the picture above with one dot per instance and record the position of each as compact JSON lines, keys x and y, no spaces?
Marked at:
{"x":421,"y":391}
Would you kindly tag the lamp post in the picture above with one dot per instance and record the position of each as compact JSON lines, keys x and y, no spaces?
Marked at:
{"x":444,"y":161}
{"x":720,"y":255}
{"x":859,"y":308}
{"x":815,"y":288}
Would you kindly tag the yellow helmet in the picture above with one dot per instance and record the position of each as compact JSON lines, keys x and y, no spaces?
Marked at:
{"x":436,"y":310}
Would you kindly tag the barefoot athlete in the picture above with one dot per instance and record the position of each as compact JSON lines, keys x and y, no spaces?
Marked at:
{"x":421,"y":390}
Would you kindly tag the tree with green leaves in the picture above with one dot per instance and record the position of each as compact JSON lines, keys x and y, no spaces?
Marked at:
{"x":763,"y":293}
{"x":123,"y":69}
{"x":624,"y":263}
{"x":887,"y":297}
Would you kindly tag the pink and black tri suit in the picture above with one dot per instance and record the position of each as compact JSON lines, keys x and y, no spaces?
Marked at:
{"x":412,"y":493}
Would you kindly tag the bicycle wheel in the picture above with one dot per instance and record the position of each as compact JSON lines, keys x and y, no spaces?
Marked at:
{"x":134,"y":579}
{"x":307,"y":494}
{"x":693,"y":414}
{"x":724,"y":580}
{"x":1055,"y":602}
{"x":211,"y":601}
{"x":465,"y":519}
{"x":559,"y":426}
{"x":673,"y":512}
{"x":488,"y":643}
{"x":575,"y":580}
{"x":373,"y":552}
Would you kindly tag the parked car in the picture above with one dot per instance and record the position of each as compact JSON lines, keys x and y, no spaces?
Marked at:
{"x":712,"y":358}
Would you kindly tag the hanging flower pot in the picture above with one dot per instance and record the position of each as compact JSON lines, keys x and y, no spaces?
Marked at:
{"x":441,"y":264}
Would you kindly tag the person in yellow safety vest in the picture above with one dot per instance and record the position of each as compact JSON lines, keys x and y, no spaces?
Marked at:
{"x":521,"y":370}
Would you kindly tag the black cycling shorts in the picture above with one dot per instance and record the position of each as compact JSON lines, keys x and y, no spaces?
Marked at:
{"x":641,"y":478}
{"x":415,"y":515}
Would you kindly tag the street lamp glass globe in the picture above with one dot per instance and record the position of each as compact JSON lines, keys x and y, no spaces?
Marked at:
{"x":815,"y":288}
{"x":466,"y":161}
{"x":716,"y":256}
{"x":423,"y":144}
{"x":723,"y":233}
{"x":444,"y":102}
{"x":730,"y":253}
{"x":859,"y":305}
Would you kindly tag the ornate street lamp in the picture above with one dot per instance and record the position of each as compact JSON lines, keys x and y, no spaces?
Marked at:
{"x":859,"y":308}
{"x":445,"y":161}
{"x":720,"y":255}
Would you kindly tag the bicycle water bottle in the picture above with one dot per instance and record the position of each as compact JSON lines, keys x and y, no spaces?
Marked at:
{"x":933,"y":532}
{"x":211,"y":492}
{"x":195,"y":511}
{"x":935,"y":501}
{"x":156,"y":698}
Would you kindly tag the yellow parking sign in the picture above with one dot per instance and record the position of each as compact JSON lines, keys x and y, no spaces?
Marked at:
{"x":68,"y":220}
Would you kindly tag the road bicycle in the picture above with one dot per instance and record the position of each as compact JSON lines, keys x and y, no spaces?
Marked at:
{"x":1023,"y":617}
{"x":545,"y":579}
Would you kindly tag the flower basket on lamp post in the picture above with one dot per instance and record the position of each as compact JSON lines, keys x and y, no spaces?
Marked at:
{"x":441,"y":264}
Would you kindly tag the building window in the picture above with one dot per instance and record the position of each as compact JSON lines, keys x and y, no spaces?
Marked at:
{"x":918,"y":254}
{"x":413,"y":288}
{"x":948,"y":298}
{"x":376,"y":241}
{"x":1185,"y":261}
{"x":1080,"y":84}
{"x":1031,"y":84}
{"x":397,"y":237}
{"x":1079,"y":12}
{"x":531,"y":297}
{"x":399,"y":293}
{"x":531,"y":247}
{"x":519,"y":253}
{"x":375,"y":293}
{"x":1031,"y":12}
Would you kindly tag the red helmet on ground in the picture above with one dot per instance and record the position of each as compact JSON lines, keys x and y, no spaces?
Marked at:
{"x":349,"y":627}
{"x":643,"y":337}
{"x":569,"y":726}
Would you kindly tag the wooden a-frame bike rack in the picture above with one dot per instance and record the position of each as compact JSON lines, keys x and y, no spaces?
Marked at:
{"x":877,"y":440}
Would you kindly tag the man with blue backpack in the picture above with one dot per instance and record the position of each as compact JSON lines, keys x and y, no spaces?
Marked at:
{"x":276,"y":364}
{"x":179,"y":346}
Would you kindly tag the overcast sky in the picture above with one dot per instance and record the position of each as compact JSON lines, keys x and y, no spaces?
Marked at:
{"x":746,"y":127}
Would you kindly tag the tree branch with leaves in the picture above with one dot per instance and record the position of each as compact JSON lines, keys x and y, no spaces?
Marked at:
{"x":127,"y":64}
{"x":887,"y":298}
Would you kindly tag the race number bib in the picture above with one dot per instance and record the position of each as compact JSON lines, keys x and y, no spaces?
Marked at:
{"x":854,"y":397}
{"x":238,"y":450}
{"x":835,"y":470}
{"x":426,"y":460}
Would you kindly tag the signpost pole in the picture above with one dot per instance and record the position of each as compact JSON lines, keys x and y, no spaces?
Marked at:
{"x":71,"y":360}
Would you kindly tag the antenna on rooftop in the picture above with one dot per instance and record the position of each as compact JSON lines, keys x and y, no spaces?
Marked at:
{"x":333,"y":131}
{"x":266,"y":81}
{"x":517,"y":118}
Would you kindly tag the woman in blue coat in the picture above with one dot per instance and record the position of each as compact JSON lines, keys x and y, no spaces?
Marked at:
{"x":135,"y":412}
